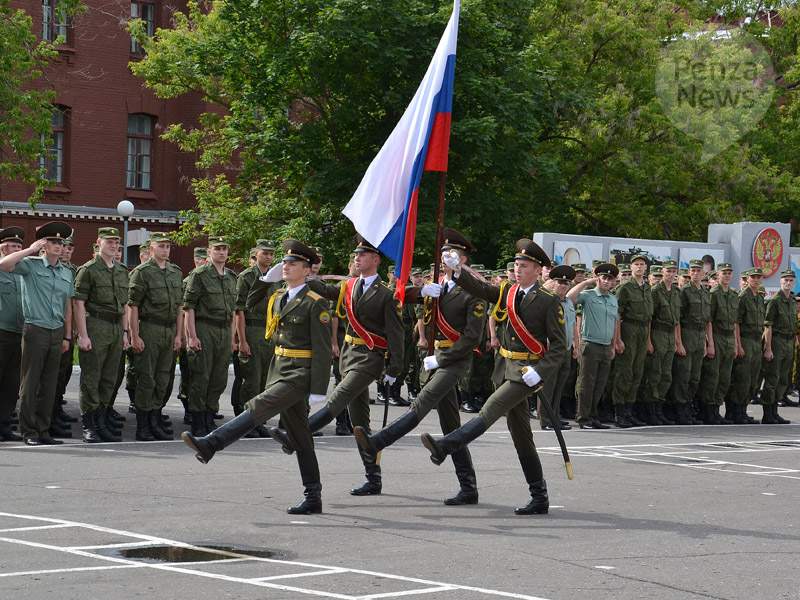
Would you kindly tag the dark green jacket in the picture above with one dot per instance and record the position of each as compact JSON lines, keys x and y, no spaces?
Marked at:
{"x":781,"y":315}
{"x":467,"y":315}
{"x":666,"y":305}
{"x":211,"y":295}
{"x":103,"y":289}
{"x":635,"y":302}
{"x":157,"y":292}
{"x":724,"y":307}
{"x":257,"y":313}
{"x":751,"y":314}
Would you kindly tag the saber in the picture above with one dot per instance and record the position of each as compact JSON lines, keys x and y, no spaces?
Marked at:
{"x":556,"y":424}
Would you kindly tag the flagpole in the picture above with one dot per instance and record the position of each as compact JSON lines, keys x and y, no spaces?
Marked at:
{"x":437,"y":260}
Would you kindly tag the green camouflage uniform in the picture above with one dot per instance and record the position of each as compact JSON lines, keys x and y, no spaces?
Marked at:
{"x":635,"y":311}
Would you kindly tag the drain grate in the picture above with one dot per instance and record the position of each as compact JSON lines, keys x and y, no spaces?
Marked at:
{"x":178,"y":554}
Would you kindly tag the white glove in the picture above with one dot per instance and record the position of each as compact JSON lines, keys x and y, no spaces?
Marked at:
{"x":274,"y":275}
{"x":432,"y":290}
{"x":389,"y":379}
{"x":430,"y":363}
{"x":452,"y":260}
{"x":316,"y":398}
{"x":531,"y":377}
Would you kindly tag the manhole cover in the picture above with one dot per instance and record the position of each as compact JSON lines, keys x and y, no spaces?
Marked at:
{"x":178,"y":554}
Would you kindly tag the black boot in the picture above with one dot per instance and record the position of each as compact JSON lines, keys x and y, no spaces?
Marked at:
{"x":738,"y":414}
{"x":115,"y":416}
{"x":454,"y":440}
{"x":777,"y":418}
{"x":311,"y":503}
{"x":166,"y":422}
{"x":465,"y":472}
{"x":651,"y":416}
{"x":621,"y":417}
{"x":7,"y":434}
{"x":158,"y":432}
{"x":60,"y":430}
{"x":210,"y":423}
{"x":634,"y":421}
{"x":395,"y":399}
{"x":665,"y":420}
{"x":539,"y":504}
{"x":768,"y":418}
{"x":372,"y":444}
{"x":198,"y":423}
{"x":343,"y":424}
{"x":223,"y":436}
{"x":143,"y":433}
{"x":374,"y":484}
{"x":106,"y":433}
{"x":89,"y":426}
{"x":187,"y":417}
{"x":64,"y":416}
{"x":315,"y":422}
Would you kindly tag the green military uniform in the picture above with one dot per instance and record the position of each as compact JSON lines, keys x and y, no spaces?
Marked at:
{"x":157,"y":293}
{"x":695,"y":316}
{"x":65,"y":365}
{"x":635,"y":311}
{"x":781,"y":316}
{"x":717,"y":370}
{"x":104,"y":291}
{"x":465,"y":317}
{"x":542,"y":315}
{"x":751,"y":314}
{"x":11,"y":324}
{"x":212,"y":296}
{"x":666,"y":316}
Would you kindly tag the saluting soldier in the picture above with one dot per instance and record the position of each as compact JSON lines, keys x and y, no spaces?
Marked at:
{"x":374,"y":328}
{"x":460,"y":320}
{"x":698,"y":341}
{"x":532,"y":348}
{"x":101,"y":295}
{"x":209,"y":303}
{"x":717,"y":369}
{"x":156,"y":325}
{"x":11,"y":324}
{"x":635,"y":311}
{"x":299,"y":323}
{"x":751,"y":314}
{"x":780,"y":330}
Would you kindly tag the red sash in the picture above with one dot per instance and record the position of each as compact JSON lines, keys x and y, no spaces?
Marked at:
{"x":533,"y":345}
{"x":445,"y":327}
{"x":372,"y":340}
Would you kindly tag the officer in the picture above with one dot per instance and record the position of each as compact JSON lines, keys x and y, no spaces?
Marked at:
{"x":61,"y":419}
{"x":698,"y":341}
{"x":101,"y":295}
{"x":635,"y":311}
{"x":751,"y":314}
{"x":47,"y":311}
{"x":598,"y":334}
{"x":11,"y":324}
{"x":532,"y":347}
{"x":200,"y":257}
{"x":156,"y":325}
{"x":780,"y":327}
{"x":299,"y":323}
{"x":460,"y":320}
{"x":209,"y":302}
{"x":374,"y":328}
{"x":717,"y":369}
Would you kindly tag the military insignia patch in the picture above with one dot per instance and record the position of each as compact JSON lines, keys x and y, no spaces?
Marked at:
{"x":479,"y":310}
{"x":324,"y":317}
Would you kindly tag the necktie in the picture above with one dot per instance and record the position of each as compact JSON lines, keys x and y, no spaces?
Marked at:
{"x":284,"y":300}
{"x":520,"y":297}
{"x":359,"y":289}
{"x":445,"y":288}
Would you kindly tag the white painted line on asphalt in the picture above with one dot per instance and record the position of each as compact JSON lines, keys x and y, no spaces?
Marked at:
{"x":104,"y":546}
{"x":433,"y":586}
{"x":768,"y":494}
{"x":430,"y":590}
{"x":306,"y":574}
{"x":70,"y":570}
{"x":38,"y":527}
{"x":604,"y":567}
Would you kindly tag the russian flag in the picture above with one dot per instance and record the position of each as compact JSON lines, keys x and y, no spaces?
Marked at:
{"x":384,"y":207}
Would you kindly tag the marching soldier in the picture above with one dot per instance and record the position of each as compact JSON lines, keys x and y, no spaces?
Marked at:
{"x":751,"y":314}
{"x":156,"y":325}
{"x":460,"y":320}
{"x":11,"y":324}
{"x":299,"y":323}
{"x":101,"y":295}
{"x":374,"y":328}
{"x":780,"y":327}
{"x":532,"y":347}
{"x":209,"y":302}
{"x":635,"y":311}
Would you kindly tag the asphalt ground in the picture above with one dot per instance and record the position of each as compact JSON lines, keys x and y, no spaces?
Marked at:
{"x":653,"y":513}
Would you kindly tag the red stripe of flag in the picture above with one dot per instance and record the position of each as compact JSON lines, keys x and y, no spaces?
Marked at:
{"x":439,"y":143}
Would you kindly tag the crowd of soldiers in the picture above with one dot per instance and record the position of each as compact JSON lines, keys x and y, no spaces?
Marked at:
{"x":617,"y":344}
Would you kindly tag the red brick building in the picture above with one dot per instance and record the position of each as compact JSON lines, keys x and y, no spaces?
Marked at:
{"x":106,"y":145}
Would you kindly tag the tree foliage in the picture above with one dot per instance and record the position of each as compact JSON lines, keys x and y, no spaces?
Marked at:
{"x":556,"y":124}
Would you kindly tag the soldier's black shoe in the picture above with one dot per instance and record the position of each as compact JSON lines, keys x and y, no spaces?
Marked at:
{"x":7,"y":435}
{"x":312,"y":501}
{"x":539,"y":504}
{"x":462,"y":498}
{"x":143,"y":433}
{"x":468,"y":485}
{"x":453,"y":441}
{"x":155,"y":423}
{"x":223,"y":436}
{"x":166,"y":422}
{"x":280,"y":436}
{"x":89,"y":427}
{"x":786,"y":401}
{"x":370,"y":487}
{"x":106,"y":433}
{"x":261,"y":431}
{"x":65,"y":416}
{"x":621,"y":418}
{"x":49,"y":441}
{"x":33,"y":441}
{"x":587,"y":425}
{"x":198,"y":423}
{"x":665,"y":420}
{"x":598,"y":425}
{"x":113,"y":414}
{"x":632,"y":418}
{"x":372,"y":444}
{"x":767,"y":418}
{"x":778,"y":419}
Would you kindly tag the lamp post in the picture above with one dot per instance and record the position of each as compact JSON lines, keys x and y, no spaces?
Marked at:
{"x":125,"y":209}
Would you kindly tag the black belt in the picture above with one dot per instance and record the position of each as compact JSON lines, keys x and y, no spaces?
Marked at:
{"x":256,"y":322}
{"x":107,"y":316}
{"x":722,"y":330}
{"x":210,"y":321}
{"x":634,"y":321}
{"x":666,"y":327}
{"x":693,"y":326}
{"x":158,"y":321}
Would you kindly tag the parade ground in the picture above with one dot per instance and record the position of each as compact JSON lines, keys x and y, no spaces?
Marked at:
{"x":653,"y":513}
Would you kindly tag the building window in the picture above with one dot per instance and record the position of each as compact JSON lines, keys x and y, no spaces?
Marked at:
{"x":52,"y":162}
{"x":140,"y":151}
{"x":53,"y":23}
{"x":146,"y":11}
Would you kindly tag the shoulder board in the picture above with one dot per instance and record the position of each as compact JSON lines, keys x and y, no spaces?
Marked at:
{"x":313,"y":295}
{"x":386,"y":285}
{"x":545,"y":291}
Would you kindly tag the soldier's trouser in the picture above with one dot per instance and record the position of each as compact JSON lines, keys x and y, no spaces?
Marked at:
{"x":511,"y":400}
{"x":778,"y":370}
{"x":716,"y":376}
{"x":170,"y":383}
{"x":100,"y":365}
{"x":686,"y":369}
{"x":64,"y":373}
{"x":10,"y":357}
{"x":255,"y":369}
{"x":659,"y":365}
{"x":553,"y":390}
{"x":352,"y":392}
{"x":629,"y":365}
{"x":153,"y":365}
{"x":746,"y":370}
{"x":291,"y":402}
{"x":186,"y":374}
{"x":595,"y":363}
{"x":569,"y":404}
{"x":209,"y":367}
{"x":415,"y":366}
{"x":41,"y":353}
